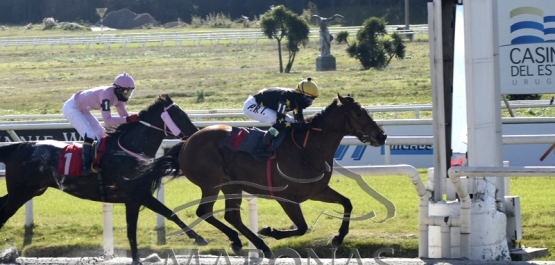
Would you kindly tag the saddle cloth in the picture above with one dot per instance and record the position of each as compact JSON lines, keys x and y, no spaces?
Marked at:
{"x":70,"y":162}
{"x":249,"y":140}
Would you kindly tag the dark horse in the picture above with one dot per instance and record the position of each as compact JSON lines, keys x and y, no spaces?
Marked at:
{"x":300,"y":172}
{"x":31,"y":168}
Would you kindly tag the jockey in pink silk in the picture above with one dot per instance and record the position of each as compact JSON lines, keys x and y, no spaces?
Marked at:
{"x":78,"y":112}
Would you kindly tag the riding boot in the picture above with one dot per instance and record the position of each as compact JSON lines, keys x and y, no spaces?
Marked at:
{"x":270,"y":135}
{"x":87,"y":156}
{"x":267,"y":140}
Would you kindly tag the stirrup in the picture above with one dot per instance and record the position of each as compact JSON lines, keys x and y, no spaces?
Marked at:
{"x":85,"y":172}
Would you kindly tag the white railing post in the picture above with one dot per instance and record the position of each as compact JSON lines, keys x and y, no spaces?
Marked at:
{"x":108,"y":230}
{"x":160,"y":195}
{"x":253,"y":222}
{"x":29,"y":216}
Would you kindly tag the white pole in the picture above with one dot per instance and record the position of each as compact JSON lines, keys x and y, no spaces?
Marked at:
{"x":387,"y":154}
{"x":29,"y":213}
{"x":108,"y":230}
{"x":253,"y":222}
{"x":438,"y":124}
{"x":160,"y":220}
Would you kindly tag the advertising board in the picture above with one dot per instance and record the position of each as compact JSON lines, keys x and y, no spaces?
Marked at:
{"x":526,"y":46}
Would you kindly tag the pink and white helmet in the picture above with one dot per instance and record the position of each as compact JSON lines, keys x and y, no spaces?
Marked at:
{"x":125,"y":81}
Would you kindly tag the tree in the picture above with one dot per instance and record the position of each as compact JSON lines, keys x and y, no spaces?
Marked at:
{"x":279,"y":23}
{"x":371,"y":48}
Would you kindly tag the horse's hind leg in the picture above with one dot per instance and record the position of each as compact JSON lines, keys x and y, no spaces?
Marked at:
{"x":332,"y":196}
{"x":3,"y":202}
{"x":10,"y":203}
{"x":233,"y":199}
{"x":159,"y":208}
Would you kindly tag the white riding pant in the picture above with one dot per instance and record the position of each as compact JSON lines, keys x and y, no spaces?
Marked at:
{"x":84,"y":122}
{"x":262,"y":114}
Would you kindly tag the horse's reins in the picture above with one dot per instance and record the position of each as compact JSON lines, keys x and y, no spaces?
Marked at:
{"x":168,"y":123}
{"x":348,"y":117}
{"x":305,"y":137}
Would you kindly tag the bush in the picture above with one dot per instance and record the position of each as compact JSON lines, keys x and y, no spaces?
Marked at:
{"x":219,"y":20}
{"x":371,"y":48}
{"x":196,"y":22}
{"x":72,"y":26}
{"x":200,"y":96}
{"x":49,"y":23}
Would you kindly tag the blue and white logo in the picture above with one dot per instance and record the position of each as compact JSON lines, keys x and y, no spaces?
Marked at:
{"x":532,"y":25}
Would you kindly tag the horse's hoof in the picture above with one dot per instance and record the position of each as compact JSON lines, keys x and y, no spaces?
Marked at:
{"x":200,"y":241}
{"x":336,"y":242}
{"x":136,"y":262}
{"x":266,"y":231}
{"x":237,"y":249}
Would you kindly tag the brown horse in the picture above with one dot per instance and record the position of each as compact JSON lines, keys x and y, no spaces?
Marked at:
{"x":300,"y":172}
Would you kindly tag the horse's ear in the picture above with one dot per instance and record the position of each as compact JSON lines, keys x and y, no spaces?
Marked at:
{"x":342,"y":99}
{"x":165,"y":99}
{"x":170,"y":101}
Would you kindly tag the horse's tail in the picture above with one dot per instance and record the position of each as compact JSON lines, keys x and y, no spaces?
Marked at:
{"x":160,"y":167}
{"x":173,"y":158}
{"x":6,"y":151}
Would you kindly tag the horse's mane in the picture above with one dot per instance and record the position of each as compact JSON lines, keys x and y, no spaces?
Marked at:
{"x":319,"y":117}
{"x":116,"y":131}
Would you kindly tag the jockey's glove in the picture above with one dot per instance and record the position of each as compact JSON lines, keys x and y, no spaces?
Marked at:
{"x":133,"y":118}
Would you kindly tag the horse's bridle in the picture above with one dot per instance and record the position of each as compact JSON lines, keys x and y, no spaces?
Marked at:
{"x":354,"y":132}
{"x":168,"y":123}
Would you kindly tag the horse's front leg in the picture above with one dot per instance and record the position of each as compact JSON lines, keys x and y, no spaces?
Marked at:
{"x":131,"y":216}
{"x":293,"y":210}
{"x":332,"y":196}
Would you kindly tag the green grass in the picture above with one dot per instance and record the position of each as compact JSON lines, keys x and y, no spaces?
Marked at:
{"x":226,"y":73}
{"x":62,"y":220}
{"x":68,"y":226}
{"x":40,"y":81}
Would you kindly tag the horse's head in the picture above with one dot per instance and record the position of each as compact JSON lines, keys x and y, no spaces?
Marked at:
{"x":359,"y":123}
{"x":178,"y":116}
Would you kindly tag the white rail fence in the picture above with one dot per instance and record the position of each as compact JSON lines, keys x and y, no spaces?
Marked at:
{"x":176,"y":38}
{"x":215,"y":114}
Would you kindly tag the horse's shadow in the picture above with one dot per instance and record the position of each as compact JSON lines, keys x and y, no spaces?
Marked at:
{"x":28,"y":236}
